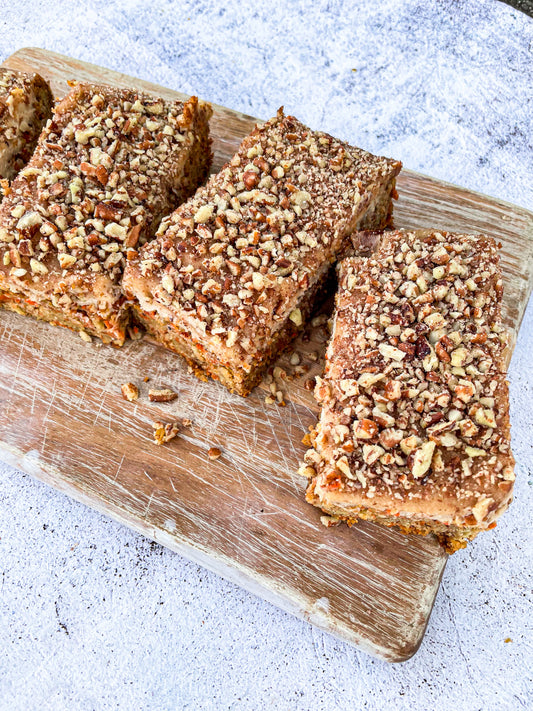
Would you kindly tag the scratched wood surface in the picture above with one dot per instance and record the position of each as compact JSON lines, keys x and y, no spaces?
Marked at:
{"x":63,"y":420}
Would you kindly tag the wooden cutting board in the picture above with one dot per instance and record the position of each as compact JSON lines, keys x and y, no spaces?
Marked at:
{"x":62,"y":419}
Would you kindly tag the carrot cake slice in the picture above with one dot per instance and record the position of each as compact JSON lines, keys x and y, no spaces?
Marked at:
{"x":107,"y":167}
{"x":232,"y":274}
{"x":25,"y":105}
{"x":414,"y":426}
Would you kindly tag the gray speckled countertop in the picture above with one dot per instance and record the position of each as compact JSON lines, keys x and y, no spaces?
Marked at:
{"x":93,"y":616}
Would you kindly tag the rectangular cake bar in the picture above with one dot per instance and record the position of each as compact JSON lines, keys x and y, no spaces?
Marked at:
{"x":108,"y":166}
{"x":25,"y":106}
{"x":232,"y":275}
{"x":414,"y":425}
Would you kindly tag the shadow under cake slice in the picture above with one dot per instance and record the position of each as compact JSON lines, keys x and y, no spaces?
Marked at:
{"x":414,"y":427}
{"x":108,"y":166}
{"x":233,"y":273}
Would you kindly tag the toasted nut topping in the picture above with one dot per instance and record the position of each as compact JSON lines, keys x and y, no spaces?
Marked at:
{"x":390,"y":352}
{"x":38,"y":267}
{"x":475,"y":451}
{"x":306,"y":471}
{"x":422,"y":459}
{"x":66,"y":260}
{"x":371,"y":453}
{"x":409,"y":444}
{"x":344,"y":466}
{"x":366,"y":380}
{"x":481,"y":509}
{"x":365,"y":429}
{"x":393,"y":390}
{"x":204,"y":213}
{"x":485,"y":417}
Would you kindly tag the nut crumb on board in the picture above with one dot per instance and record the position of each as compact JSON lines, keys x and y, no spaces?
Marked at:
{"x":130,"y":392}
{"x":162,"y":395}
{"x":330,"y":521}
{"x":295,"y":358}
{"x":214,"y":453}
{"x":165,"y":431}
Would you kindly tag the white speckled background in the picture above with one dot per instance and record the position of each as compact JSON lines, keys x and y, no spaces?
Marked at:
{"x":92,"y":616}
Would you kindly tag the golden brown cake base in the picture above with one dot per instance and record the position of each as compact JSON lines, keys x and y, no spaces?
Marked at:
{"x":452,"y":538}
{"x":202,"y":363}
{"x":111,"y":331}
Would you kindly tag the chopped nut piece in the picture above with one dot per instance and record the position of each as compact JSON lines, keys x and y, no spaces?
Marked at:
{"x":306,"y":471}
{"x":344,"y":466}
{"x":409,"y":444}
{"x":481,"y":509}
{"x":390,"y":352}
{"x":475,"y":452}
{"x":296,"y":317}
{"x":214,"y":453}
{"x":422,"y":459}
{"x":162,"y":395}
{"x":365,"y":429}
{"x":366,"y":380}
{"x":295,"y":359}
{"x":485,"y":417}
{"x":130,"y":391}
{"x":330,"y":521}
{"x":371,"y":453}
{"x":165,"y":431}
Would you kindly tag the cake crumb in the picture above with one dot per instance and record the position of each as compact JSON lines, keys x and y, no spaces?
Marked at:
{"x":214,"y":453}
{"x":330,"y":521}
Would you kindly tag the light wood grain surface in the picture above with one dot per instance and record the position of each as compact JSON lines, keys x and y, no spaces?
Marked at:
{"x":62,"y":419}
